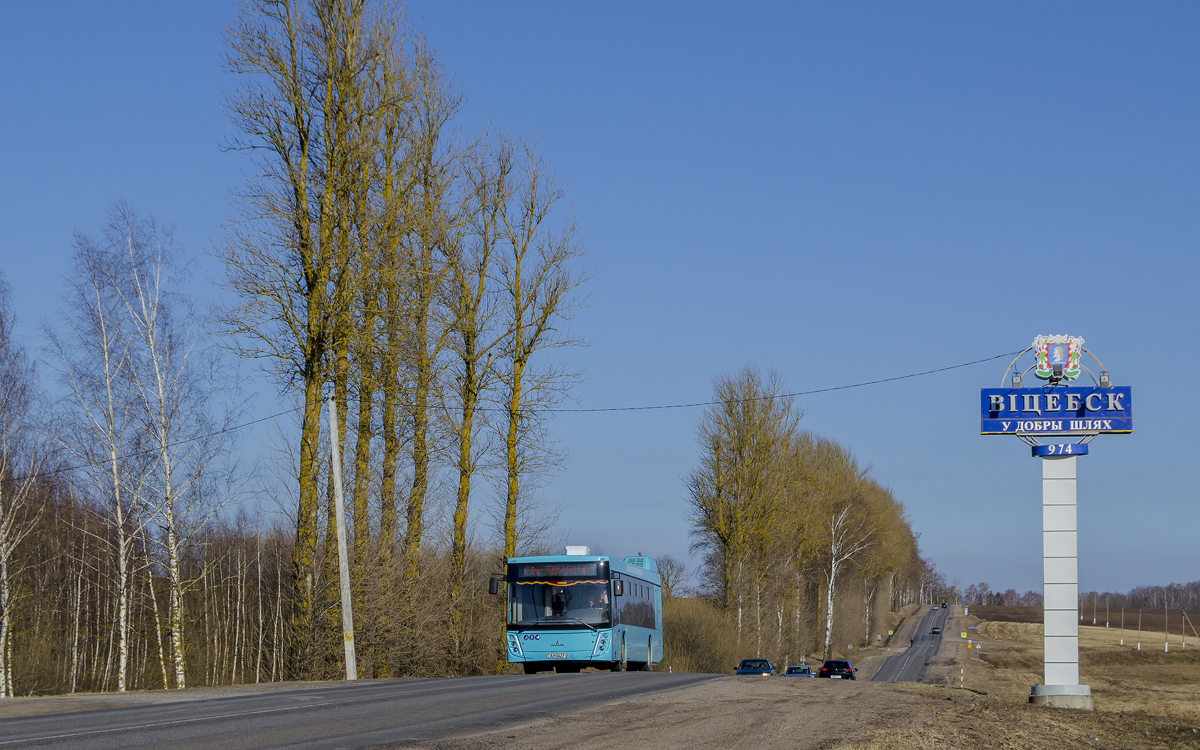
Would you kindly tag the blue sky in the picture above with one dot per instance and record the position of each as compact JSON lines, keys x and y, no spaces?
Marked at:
{"x":839,"y":191}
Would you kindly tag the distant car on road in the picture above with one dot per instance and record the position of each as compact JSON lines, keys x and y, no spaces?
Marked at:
{"x":837,"y":669}
{"x":936,"y":630}
{"x":802,"y":670}
{"x":756,"y":667}
{"x":943,"y":605}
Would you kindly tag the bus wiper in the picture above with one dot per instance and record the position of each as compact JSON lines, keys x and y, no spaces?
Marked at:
{"x":555,"y":620}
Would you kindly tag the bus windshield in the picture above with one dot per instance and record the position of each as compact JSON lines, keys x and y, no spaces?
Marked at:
{"x":570,"y":604}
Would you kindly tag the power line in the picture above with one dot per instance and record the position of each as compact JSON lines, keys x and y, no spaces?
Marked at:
{"x":797,"y":393}
{"x":151,"y":451}
{"x":830,"y":389}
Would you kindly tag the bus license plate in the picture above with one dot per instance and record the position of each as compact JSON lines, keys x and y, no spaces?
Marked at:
{"x":556,"y":656}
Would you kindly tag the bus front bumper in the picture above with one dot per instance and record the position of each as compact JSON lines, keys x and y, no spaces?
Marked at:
{"x":559,"y":646}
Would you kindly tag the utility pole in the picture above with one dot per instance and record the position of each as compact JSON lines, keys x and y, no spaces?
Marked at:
{"x":343,"y":565}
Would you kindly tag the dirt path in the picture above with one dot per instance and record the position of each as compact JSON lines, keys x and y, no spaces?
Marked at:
{"x":733,"y":712}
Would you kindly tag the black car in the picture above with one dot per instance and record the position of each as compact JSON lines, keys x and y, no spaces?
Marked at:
{"x":936,"y":630}
{"x":836,"y":669}
{"x":760,"y":667}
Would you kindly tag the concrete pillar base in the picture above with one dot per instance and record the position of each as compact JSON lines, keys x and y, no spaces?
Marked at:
{"x":1062,"y":696}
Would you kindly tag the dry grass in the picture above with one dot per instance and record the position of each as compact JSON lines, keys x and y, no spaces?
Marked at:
{"x":698,"y":637}
{"x":1122,"y":678}
{"x":952,"y":718}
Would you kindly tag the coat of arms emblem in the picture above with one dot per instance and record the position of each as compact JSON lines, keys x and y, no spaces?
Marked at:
{"x":1057,"y":357}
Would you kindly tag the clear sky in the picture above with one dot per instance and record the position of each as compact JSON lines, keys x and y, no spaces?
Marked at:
{"x":839,"y":191}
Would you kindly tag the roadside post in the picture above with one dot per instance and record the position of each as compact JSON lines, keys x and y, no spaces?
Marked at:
{"x":343,"y":564}
{"x":1044,"y":417}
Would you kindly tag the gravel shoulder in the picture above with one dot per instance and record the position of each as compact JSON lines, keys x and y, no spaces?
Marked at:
{"x":731,"y":712}
{"x":744,"y":712}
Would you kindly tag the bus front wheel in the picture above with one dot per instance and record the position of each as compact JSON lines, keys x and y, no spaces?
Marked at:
{"x":623,"y":664}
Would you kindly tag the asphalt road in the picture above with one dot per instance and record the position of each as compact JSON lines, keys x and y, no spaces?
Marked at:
{"x":348,"y":715}
{"x":909,"y":666}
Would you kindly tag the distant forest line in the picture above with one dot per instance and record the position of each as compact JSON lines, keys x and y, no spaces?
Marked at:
{"x":1172,"y":596}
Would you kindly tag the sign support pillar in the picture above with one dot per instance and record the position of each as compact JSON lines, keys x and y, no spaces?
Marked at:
{"x":1060,"y":567}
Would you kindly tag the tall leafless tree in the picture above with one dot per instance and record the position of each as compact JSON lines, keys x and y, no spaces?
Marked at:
{"x":21,"y":456}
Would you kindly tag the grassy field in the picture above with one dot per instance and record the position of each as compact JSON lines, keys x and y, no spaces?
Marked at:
{"x":1152,"y":680}
{"x":1144,"y":699}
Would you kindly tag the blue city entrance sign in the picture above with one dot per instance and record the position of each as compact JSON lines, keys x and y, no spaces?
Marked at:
{"x":1056,"y":410}
{"x":1057,"y":420}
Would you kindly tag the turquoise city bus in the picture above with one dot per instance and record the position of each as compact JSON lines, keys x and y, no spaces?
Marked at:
{"x":567,"y":612}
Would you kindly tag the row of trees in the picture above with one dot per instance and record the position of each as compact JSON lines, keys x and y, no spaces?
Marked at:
{"x":121,"y":563}
{"x":1171,"y":596}
{"x":421,"y":276}
{"x":137,"y":444}
{"x":982,"y":594}
{"x":789,"y":523}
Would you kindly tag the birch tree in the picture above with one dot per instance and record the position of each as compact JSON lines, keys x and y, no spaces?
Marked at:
{"x":174,"y":379}
{"x":98,"y":425}
{"x":20,"y":459}
{"x":848,"y":536}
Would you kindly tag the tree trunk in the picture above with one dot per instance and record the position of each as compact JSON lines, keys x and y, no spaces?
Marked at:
{"x":829,"y":611}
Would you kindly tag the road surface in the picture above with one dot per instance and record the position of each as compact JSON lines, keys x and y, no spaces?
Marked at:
{"x":345,"y":715}
{"x":909,"y":666}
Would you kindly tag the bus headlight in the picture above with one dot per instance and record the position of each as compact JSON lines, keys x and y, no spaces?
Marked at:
{"x":601,"y":644}
{"x":514,"y":644}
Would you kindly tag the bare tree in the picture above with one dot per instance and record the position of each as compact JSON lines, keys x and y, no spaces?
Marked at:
{"x":673,"y":573}
{"x":290,"y":256}
{"x":433,"y":208}
{"x":98,"y":425}
{"x":175,"y":380}
{"x":477,"y":340}
{"x":848,"y":536}
{"x":735,"y":492}
{"x":21,"y":456}
{"x":543,"y":287}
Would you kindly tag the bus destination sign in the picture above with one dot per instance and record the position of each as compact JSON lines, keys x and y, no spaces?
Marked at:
{"x":1056,"y":410}
{"x":557,"y":570}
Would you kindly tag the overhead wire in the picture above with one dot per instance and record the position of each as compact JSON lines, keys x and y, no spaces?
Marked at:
{"x":797,"y":393}
{"x":690,"y":405}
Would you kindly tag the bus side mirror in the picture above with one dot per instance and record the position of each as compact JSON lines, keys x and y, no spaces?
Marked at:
{"x":493,"y":586}
{"x":618,"y":588}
